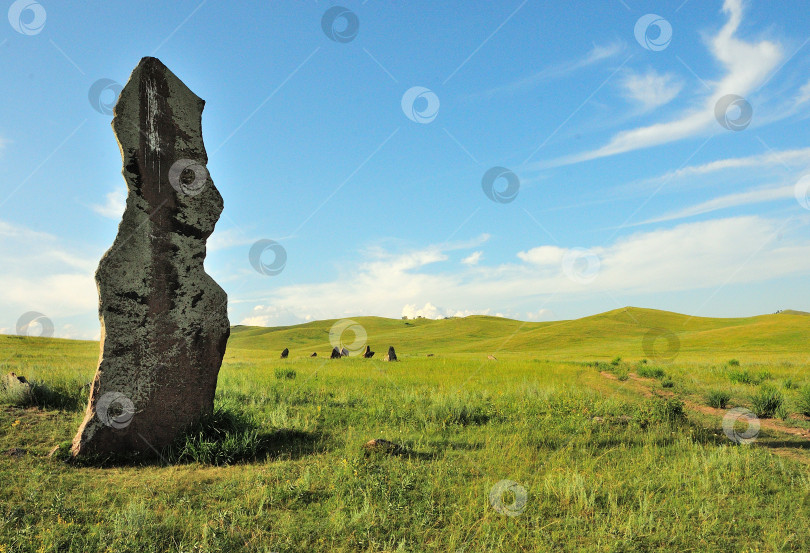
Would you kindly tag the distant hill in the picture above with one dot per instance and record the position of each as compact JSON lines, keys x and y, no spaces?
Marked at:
{"x":604,"y":336}
{"x":618,"y":332}
{"x":792,"y":312}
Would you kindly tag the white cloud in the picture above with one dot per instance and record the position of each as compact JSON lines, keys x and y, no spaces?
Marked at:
{"x":804,"y":94}
{"x":114,"y":207}
{"x":596,"y":54}
{"x":747,"y":66}
{"x":651,"y":89}
{"x":228,"y":238}
{"x":41,"y":274}
{"x":689,"y":256}
{"x":749,"y":197}
{"x":543,"y":255}
{"x":429,"y":311}
{"x":540,"y":315}
{"x":473,"y":258}
{"x":784,"y":158}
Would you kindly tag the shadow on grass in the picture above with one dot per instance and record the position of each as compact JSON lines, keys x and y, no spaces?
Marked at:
{"x":223,"y":438}
{"x":65,"y":395}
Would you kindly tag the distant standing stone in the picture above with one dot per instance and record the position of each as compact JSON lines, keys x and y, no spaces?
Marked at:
{"x":335,"y":354}
{"x":368,"y":353}
{"x":314,"y":354}
{"x":344,"y":352}
{"x":14,"y":384}
{"x":164,"y":321}
{"x":391,"y":356}
{"x":285,"y":353}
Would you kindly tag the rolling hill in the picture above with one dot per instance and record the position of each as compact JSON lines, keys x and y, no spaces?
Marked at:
{"x":618,"y":332}
{"x":603,"y":336}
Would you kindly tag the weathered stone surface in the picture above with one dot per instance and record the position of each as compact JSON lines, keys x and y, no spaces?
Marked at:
{"x":14,"y":383}
{"x":164,"y":322}
{"x":368,"y":354}
{"x":285,"y":353}
{"x":378,"y":445}
{"x":391,"y":356}
{"x":335,"y":354}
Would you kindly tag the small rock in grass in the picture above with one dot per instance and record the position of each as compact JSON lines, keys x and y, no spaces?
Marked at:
{"x":285,"y":353}
{"x":384,"y":446}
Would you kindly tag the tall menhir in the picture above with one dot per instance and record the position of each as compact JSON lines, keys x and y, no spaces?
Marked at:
{"x":164,"y":321}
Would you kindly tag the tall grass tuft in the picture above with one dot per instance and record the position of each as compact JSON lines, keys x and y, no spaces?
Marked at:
{"x":718,"y":398}
{"x":803,"y":401}
{"x":767,"y":401}
{"x":282,"y":373}
{"x":646,"y":371}
{"x":222,"y":438}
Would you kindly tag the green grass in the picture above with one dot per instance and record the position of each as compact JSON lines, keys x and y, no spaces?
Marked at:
{"x":718,"y":398}
{"x":767,"y":401}
{"x":279,"y":466}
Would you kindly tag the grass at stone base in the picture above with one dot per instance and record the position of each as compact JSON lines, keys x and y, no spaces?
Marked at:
{"x":629,"y":480}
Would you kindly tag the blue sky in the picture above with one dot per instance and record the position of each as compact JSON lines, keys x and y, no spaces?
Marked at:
{"x":654,"y":161}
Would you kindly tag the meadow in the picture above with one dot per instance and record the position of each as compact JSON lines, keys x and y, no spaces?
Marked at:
{"x":600,"y":434}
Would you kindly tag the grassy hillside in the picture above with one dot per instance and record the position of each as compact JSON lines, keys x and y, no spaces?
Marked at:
{"x":618,"y":332}
{"x":606,"y":456}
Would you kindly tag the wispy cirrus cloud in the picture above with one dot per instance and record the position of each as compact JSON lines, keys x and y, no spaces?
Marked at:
{"x":747,"y":65}
{"x":595,"y":55}
{"x":786,"y":158}
{"x":749,"y":197}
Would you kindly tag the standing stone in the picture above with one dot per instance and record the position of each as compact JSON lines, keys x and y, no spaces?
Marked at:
{"x":285,"y":353}
{"x":335,"y":354}
{"x":391,"y":356}
{"x":344,"y":352}
{"x":368,"y":354}
{"x":164,"y":321}
{"x":314,"y":354}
